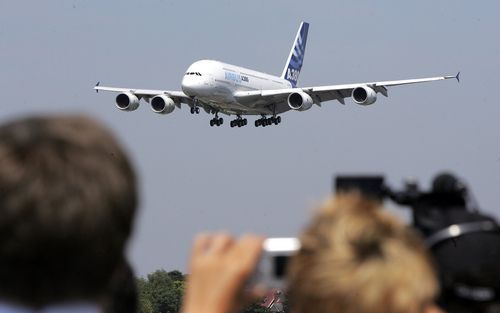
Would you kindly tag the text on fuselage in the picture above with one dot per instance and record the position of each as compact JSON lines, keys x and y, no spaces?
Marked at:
{"x":235,"y":77}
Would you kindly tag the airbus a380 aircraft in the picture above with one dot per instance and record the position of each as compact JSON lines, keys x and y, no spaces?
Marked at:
{"x":223,"y":88}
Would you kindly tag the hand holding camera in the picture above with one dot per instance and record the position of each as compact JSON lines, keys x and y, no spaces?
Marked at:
{"x":220,"y":267}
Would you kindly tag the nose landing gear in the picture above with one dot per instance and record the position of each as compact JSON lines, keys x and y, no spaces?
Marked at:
{"x":195,"y":109}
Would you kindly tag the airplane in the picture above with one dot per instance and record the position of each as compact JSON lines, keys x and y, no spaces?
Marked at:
{"x":219,"y":87}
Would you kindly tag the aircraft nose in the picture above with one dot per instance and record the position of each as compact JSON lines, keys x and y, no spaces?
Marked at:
{"x":189,"y":86}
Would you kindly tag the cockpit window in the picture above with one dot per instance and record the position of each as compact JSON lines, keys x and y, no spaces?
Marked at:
{"x":194,"y":73}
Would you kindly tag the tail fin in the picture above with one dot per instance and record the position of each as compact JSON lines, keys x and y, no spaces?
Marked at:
{"x":296,"y":58}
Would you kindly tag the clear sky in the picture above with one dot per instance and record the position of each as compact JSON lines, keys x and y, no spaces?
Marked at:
{"x":265,"y":180}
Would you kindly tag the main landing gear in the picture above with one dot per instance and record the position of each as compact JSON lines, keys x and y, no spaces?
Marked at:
{"x":239,"y":122}
{"x":217,"y":121}
{"x":263,"y":121}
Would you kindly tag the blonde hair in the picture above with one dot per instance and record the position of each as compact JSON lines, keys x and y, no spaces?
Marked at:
{"x":356,"y":258}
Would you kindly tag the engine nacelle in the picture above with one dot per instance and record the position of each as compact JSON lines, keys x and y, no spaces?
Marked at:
{"x":364,"y":95}
{"x":127,"y":101}
{"x":300,"y":101}
{"x":162,"y":104}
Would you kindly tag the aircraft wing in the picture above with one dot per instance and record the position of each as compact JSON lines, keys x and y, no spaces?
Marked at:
{"x":334,"y":92}
{"x":177,"y":96}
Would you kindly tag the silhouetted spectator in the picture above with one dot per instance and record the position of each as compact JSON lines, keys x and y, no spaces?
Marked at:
{"x":68,"y":199}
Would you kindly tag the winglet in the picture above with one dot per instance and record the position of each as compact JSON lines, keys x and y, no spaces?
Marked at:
{"x":97,"y":85}
{"x":458,"y":77}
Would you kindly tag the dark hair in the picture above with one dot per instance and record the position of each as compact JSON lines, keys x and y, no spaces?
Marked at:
{"x":121,"y":295}
{"x":68,"y":196}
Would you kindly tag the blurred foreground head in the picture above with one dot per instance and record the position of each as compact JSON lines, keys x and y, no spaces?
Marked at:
{"x":68,"y":198}
{"x":356,"y":258}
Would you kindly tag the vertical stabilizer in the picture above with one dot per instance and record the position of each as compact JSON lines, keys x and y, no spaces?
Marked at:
{"x":296,"y":58}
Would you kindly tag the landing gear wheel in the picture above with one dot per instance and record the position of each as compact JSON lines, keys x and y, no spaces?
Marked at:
{"x":197,"y":110}
{"x":278,"y":119}
{"x":221,"y":121}
{"x":216,"y":121}
{"x":192,"y":110}
{"x":239,"y":122}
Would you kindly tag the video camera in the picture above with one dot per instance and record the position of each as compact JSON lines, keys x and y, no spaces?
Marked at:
{"x":464,"y":242}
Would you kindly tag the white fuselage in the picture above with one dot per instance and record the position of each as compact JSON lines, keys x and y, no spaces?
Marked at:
{"x":215,"y":83}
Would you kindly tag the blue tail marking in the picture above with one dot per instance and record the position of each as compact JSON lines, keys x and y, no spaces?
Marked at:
{"x":296,"y":58}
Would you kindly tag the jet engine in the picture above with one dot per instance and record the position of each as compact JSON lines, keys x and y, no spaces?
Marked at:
{"x":300,"y":101}
{"x":162,"y":104}
{"x":364,"y":95}
{"x":127,"y":101}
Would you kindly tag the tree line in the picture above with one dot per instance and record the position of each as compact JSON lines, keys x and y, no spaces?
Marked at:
{"x":162,"y":292}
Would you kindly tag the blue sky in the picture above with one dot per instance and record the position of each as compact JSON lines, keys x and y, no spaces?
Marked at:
{"x":264,"y":180}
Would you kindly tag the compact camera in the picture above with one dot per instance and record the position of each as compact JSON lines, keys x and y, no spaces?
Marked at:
{"x":270,"y":272}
